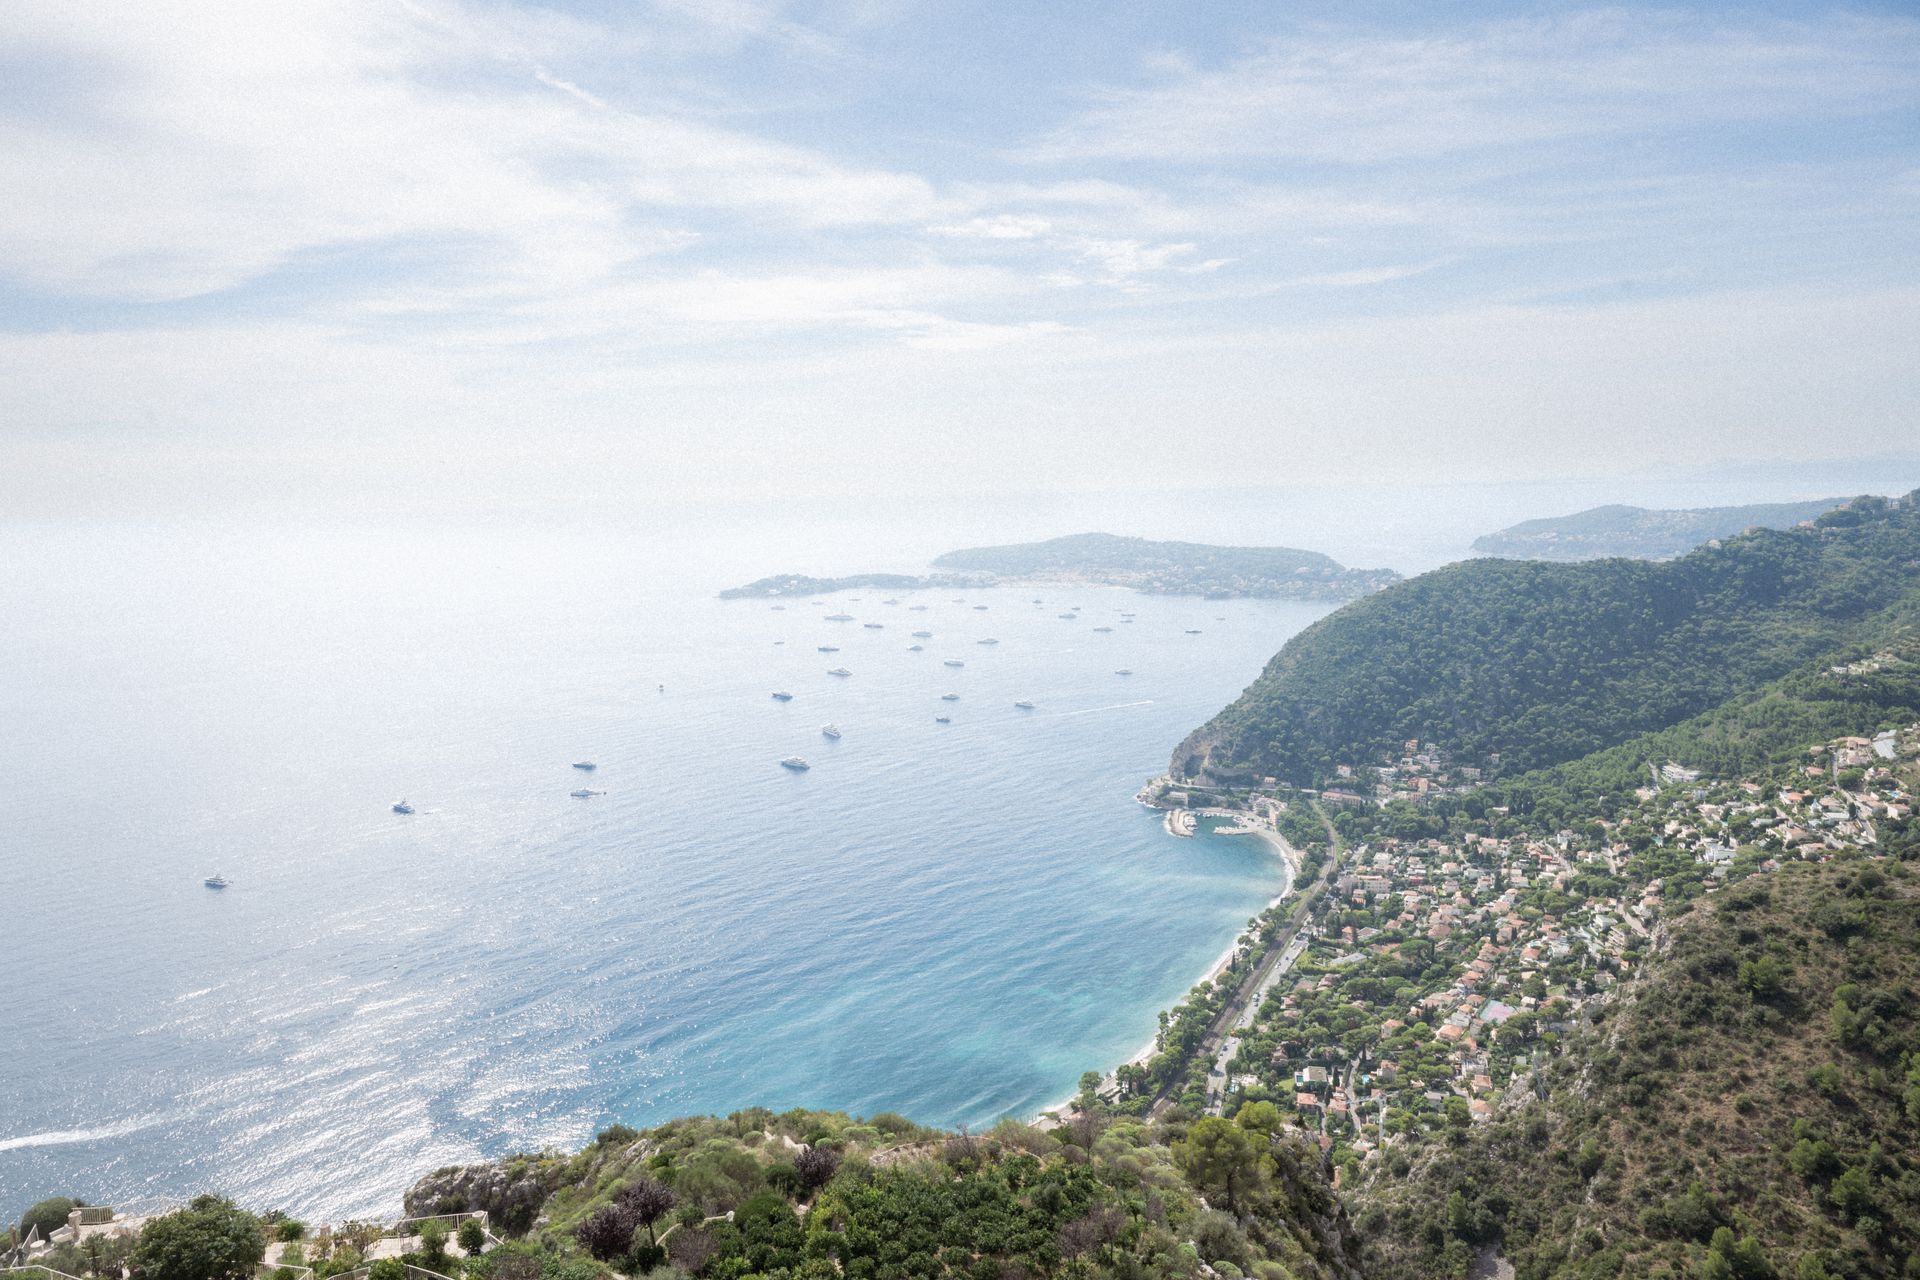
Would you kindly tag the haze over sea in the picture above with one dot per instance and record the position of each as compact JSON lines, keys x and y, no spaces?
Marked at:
{"x":948,"y":921}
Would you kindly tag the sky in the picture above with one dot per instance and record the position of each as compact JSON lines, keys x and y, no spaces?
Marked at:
{"x":673,"y":249}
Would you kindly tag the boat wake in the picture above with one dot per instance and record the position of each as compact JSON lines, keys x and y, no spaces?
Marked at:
{"x":1094,"y":711}
{"x":68,"y":1137}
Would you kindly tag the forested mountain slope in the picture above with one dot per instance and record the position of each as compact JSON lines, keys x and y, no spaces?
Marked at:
{"x":1640,"y":532}
{"x":1747,"y":1106}
{"x":1541,"y":663}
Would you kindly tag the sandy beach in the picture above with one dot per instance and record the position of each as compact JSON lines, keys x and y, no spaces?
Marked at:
{"x":1290,"y":857}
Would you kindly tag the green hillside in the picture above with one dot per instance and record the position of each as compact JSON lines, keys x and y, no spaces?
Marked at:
{"x":808,"y":1195}
{"x":1746,"y":1107}
{"x":1640,"y":532}
{"x":1539,"y":663}
{"x":1185,"y":568}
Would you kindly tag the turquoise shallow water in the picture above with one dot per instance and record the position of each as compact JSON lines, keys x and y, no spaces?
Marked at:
{"x":951,"y":921}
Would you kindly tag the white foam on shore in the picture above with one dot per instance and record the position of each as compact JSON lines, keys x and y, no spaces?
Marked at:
{"x":1288,"y":855}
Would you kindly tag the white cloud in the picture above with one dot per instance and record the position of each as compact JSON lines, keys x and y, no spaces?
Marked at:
{"x":1003,"y":226}
{"x":1334,"y":96}
{"x":228,"y":138}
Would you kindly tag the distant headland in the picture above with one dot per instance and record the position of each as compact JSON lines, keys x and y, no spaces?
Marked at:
{"x":1639,"y":533}
{"x":1159,"y":568}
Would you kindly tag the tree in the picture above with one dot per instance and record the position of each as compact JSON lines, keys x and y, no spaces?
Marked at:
{"x":1218,"y":1155}
{"x":433,"y":1241}
{"x":1258,"y":1117}
{"x":646,"y":1201}
{"x":1763,"y":977}
{"x":49,"y":1216}
{"x":210,"y":1239}
{"x":816,"y":1167}
{"x":1852,"y":1193}
{"x":607,"y":1232}
{"x":473,"y":1236}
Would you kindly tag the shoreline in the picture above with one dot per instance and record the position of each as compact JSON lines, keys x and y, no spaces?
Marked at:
{"x":1289,"y":858}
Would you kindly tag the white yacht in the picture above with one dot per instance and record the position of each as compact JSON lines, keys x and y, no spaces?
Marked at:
{"x":828,"y":731}
{"x":215,"y":881}
{"x":839,"y":671}
{"x":796,"y":764}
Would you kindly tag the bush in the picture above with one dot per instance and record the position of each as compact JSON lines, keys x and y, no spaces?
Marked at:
{"x":472,"y":1236}
{"x":49,"y":1216}
{"x":208,"y":1240}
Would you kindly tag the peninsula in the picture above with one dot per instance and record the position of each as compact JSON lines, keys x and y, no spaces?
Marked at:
{"x":1156,"y":568}
{"x":1639,"y":533}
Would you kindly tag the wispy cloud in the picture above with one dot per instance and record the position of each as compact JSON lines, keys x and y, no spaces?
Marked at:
{"x":1334,"y":96}
{"x":234,"y":136}
{"x":218,"y":213}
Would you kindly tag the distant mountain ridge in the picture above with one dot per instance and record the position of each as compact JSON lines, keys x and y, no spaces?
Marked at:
{"x":1537,"y":664}
{"x":1640,"y":533}
{"x":1162,"y":568}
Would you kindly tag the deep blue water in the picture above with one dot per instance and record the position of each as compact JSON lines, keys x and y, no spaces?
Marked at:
{"x":950,"y":921}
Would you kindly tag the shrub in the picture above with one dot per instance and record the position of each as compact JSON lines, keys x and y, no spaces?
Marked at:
{"x":208,"y":1240}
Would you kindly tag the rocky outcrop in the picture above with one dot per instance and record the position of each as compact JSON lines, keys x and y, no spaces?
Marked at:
{"x":511,"y":1191}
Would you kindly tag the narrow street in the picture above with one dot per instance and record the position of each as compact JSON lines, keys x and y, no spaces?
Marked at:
{"x":1218,"y":1044}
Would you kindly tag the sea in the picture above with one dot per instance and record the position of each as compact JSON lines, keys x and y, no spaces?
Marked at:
{"x":948,"y":921}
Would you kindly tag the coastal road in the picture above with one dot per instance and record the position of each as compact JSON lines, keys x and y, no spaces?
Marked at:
{"x":1239,"y":1009}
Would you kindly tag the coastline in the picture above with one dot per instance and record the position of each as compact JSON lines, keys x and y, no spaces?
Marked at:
{"x":1290,"y":858}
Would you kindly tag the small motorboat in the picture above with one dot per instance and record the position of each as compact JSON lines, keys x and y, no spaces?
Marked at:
{"x":943,"y":719}
{"x":955,"y":662}
{"x":915,"y":648}
{"x":829,"y":648}
{"x":923,"y":635}
{"x":1103,"y":628}
{"x":1193,"y":631}
{"x":988,"y":640}
{"x":587,"y":766}
{"x":873,"y":626}
{"x":796,"y":764}
{"x":829,"y":731}
{"x":839,"y":671}
{"x":949,"y":697}
{"x":1124,"y":671}
{"x":401,"y":806}
{"x":781,"y":696}
{"x":1024,"y":705}
{"x":839,"y":617}
{"x":585,"y":794}
{"x":216,"y":881}
{"x":982,"y":608}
